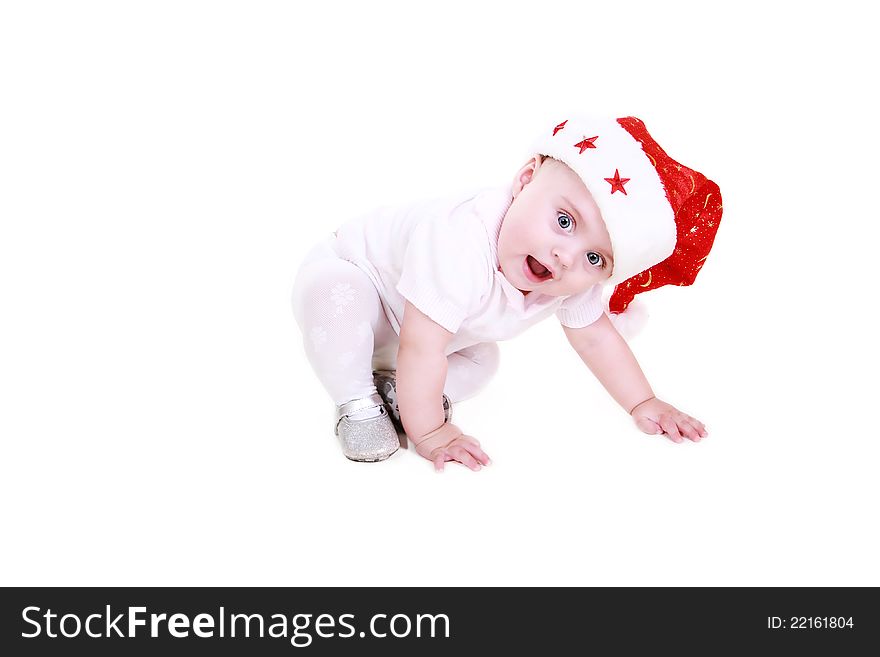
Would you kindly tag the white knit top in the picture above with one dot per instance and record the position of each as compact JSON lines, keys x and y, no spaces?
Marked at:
{"x":441,"y":256}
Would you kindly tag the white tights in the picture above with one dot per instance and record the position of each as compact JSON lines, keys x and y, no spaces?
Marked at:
{"x":346,"y":334}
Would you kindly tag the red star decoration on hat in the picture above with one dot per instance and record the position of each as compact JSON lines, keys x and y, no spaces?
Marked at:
{"x":559,"y":127}
{"x":586,"y":143}
{"x":617,"y":182}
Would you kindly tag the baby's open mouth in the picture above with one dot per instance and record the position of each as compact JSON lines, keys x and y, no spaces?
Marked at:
{"x":539,"y":270}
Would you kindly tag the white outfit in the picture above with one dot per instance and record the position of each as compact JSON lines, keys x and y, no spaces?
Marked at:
{"x":441,"y":256}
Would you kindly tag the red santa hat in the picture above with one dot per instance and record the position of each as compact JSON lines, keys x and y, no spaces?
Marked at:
{"x":661,"y":216}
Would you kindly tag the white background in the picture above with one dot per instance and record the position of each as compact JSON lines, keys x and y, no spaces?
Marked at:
{"x":164,"y":166}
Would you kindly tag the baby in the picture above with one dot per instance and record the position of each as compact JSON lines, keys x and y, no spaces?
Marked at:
{"x":400,"y":309}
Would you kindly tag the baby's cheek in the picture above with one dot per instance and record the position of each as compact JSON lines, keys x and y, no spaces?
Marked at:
{"x":557,"y":289}
{"x":582,"y":284}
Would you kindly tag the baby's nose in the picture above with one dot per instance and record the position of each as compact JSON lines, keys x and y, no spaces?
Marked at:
{"x":563,"y":257}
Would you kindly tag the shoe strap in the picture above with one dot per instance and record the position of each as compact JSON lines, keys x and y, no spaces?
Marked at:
{"x":356,"y":405}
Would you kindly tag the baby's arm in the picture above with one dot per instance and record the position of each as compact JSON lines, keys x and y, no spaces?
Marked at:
{"x":610,"y":359}
{"x":421,"y":372}
{"x":421,"y":375}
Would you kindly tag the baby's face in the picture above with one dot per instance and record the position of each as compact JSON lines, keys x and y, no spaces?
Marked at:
{"x":553,"y":238}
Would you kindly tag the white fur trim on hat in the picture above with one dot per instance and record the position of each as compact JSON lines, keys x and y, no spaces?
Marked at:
{"x":630,"y":323}
{"x":640,"y":223}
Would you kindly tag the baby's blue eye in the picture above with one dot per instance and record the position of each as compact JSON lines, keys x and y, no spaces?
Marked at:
{"x":595,"y":259}
{"x":565,"y":222}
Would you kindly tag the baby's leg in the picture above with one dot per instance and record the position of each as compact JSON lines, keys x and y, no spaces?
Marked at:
{"x":470,"y":369}
{"x":337,"y":308}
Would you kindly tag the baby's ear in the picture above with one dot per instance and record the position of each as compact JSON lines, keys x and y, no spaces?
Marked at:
{"x":525,"y":175}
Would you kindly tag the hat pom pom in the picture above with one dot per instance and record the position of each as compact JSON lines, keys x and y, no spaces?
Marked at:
{"x":631,"y":322}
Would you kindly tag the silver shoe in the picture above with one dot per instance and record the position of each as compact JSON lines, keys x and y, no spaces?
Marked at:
{"x":370,"y":439}
{"x":386,"y":384}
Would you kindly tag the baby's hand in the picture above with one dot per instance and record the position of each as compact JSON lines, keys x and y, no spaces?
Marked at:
{"x":655,"y":416}
{"x":448,"y":443}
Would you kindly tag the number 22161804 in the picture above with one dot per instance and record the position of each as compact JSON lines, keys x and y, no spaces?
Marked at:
{"x":809,"y":622}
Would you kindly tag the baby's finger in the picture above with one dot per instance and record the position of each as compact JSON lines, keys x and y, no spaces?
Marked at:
{"x":689,"y":430}
{"x":477,"y":452}
{"x":670,"y":428}
{"x":468,"y":439}
{"x":699,"y":426}
{"x":439,"y":458}
{"x":472,"y":446}
{"x":464,"y":457}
